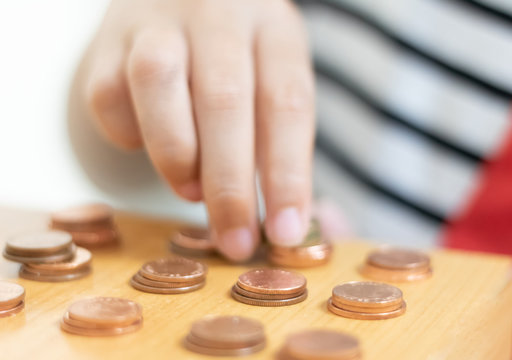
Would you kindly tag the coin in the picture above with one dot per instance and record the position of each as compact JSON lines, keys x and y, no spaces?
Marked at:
{"x":168,"y":290}
{"x":95,"y":237}
{"x":321,"y":345}
{"x":81,"y":259}
{"x":269,"y":303}
{"x":101,"y":331}
{"x":222,"y":352}
{"x":35,"y":275}
{"x":65,"y":255}
{"x":14,"y":310}
{"x":83,"y":324}
{"x":162,"y":284}
{"x":398,"y":259}
{"x":367,"y":294}
{"x":366,"y":316}
{"x":272,"y":281}
{"x":38,"y":244}
{"x":254,"y":295}
{"x":89,"y":214}
{"x":106,"y":310}
{"x":387,"y":275}
{"x":11,"y":294}
{"x":175,"y":269}
{"x":228,"y":330}
{"x":193,"y":242}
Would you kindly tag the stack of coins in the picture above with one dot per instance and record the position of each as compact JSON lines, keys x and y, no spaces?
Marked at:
{"x":365,"y":300}
{"x":175,"y":275}
{"x":225,"y":336}
{"x":102,"y":316}
{"x":397,"y":265}
{"x":40,"y":248}
{"x":12,"y":298}
{"x":270,"y":287}
{"x":90,"y":225}
{"x":76,"y":268}
{"x":193,"y":242}
{"x":314,"y":251}
{"x":320,"y":344}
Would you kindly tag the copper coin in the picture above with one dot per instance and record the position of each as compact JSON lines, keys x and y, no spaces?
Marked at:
{"x":283,"y":355}
{"x":34,"y":275}
{"x":65,"y":255}
{"x":221,"y":345}
{"x":11,"y":294}
{"x":366,"y":316}
{"x":38,"y":244}
{"x":254,"y":295}
{"x":13,"y":311}
{"x":101,"y":331}
{"x":222,"y":352}
{"x":398,"y":259}
{"x":272,"y":281}
{"x":106,"y":310}
{"x":174,"y":269}
{"x":387,"y":275}
{"x":161,"y":290}
{"x":95,"y":238}
{"x":228,"y":330}
{"x":367,"y":294}
{"x":162,"y":284}
{"x":269,"y":303}
{"x":193,"y":242}
{"x":86,"y":325}
{"x":322,"y":345}
{"x":85,"y":214}
{"x":366,"y":309}
{"x":295,"y":261}
{"x":81,"y":259}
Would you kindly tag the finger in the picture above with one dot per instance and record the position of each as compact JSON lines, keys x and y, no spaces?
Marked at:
{"x":157,"y":75}
{"x":222,"y":83}
{"x":285,"y":126}
{"x":109,"y":99}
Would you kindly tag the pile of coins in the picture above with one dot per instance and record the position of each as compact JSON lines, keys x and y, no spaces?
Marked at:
{"x":90,"y":225}
{"x":270,"y":287}
{"x":12,"y":298}
{"x":193,"y":242}
{"x":397,"y":265}
{"x":314,"y":251}
{"x":175,"y":275}
{"x":365,"y":300}
{"x":225,"y":336}
{"x":102,"y":316}
{"x":320,"y":344}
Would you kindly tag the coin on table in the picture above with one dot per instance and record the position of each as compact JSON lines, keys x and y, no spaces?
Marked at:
{"x":400,"y":310}
{"x":366,"y":294}
{"x":106,"y":310}
{"x":112,"y":331}
{"x":39,"y":244}
{"x":162,"y":284}
{"x":174,"y":269}
{"x":269,"y":303}
{"x":12,"y":311}
{"x":61,"y":256}
{"x":398,"y":259}
{"x":272,"y":281}
{"x":11,"y":294}
{"x":81,"y":259}
{"x":37,"y":275}
{"x":168,"y":290}
{"x":260,"y":296}
{"x":213,"y":351}
{"x":83,"y":215}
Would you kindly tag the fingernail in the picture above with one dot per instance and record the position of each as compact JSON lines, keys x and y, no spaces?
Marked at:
{"x":236,"y":244}
{"x":287,"y":227}
{"x":191,"y":191}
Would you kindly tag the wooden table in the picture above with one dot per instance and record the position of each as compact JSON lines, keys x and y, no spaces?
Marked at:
{"x":463,"y":312}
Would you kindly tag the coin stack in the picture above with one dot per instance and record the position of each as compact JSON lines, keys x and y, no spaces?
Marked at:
{"x":12,"y":298}
{"x":193,"y":242}
{"x":175,"y":275}
{"x":396,"y":265}
{"x":102,"y":316}
{"x":90,"y":225}
{"x":225,"y":336}
{"x":314,"y":251}
{"x":320,"y":344}
{"x":270,"y":287}
{"x":366,"y":300}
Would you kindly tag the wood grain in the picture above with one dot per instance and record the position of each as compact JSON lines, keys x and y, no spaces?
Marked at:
{"x":463,"y":312}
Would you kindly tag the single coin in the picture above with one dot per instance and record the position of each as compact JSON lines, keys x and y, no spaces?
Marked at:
{"x":269,"y":303}
{"x":283,"y":355}
{"x":398,"y":259}
{"x":174,"y":269}
{"x":106,"y":310}
{"x":366,"y":309}
{"x":29,"y":274}
{"x":11,"y":294}
{"x":254,"y":295}
{"x":168,"y":291}
{"x":84,"y":214}
{"x":295,"y":261}
{"x":12,"y":311}
{"x":81,"y":259}
{"x":96,"y":238}
{"x":228,"y":330}
{"x":322,"y":345}
{"x":366,"y":316}
{"x":221,"y":345}
{"x":367,"y":294}
{"x":163,"y":284}
{"x":101,"y":331}
{"x":38,"y":244}
{"x":388,"y":275}
{"x":86,"y":325}
{"x":193,"y":242}
{"x":58,"y":257}
{"x":222,"y":352}
{"x":272,"y":281}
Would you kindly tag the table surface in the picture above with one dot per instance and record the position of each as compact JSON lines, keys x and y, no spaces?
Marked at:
{"x":462,"y":312}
